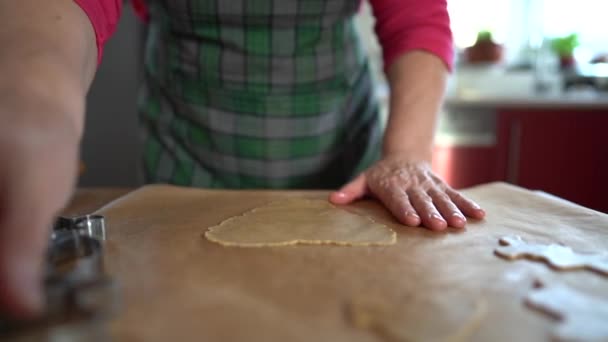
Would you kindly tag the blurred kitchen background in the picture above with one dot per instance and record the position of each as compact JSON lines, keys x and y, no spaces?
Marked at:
{"x":526,"y":104}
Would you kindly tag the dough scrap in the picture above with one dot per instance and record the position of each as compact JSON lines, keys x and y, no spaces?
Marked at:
{"x":300,"y":221}
{"x":582,"y":317}
{"x":557,"y":256}
{"x":386,"y":319}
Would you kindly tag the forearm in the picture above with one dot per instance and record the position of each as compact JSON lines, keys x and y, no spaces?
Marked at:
{"x":48,"y":56}
{"x":417,"y":85}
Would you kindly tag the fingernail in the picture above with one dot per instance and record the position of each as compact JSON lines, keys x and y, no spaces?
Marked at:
{"x":412,"y":214}
{"x":340,"y":194}
{"x":437,"y":217}
{"x":459,"y":216}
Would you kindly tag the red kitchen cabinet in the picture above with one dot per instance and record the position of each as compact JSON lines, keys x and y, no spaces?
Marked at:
{"x":563,"y":152}
{"x":466,"y":166}
{"x":465,"y":147}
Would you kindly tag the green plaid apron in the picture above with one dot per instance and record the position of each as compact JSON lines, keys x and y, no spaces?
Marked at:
{"x":256,"y":94}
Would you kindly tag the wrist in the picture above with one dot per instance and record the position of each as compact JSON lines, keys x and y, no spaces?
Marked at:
{"x":413,"y":153}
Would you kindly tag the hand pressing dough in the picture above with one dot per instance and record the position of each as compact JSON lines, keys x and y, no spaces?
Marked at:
{"x":440,"y":319}
{"x":302,"y":221}
{"x":557,"y":256}
{"x":582,"y":317}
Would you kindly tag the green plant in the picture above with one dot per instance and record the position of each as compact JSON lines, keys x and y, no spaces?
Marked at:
{"x":564,"y":46}
{"x":484,"y":36}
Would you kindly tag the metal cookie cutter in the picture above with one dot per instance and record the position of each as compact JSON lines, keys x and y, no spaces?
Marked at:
{"x":89,"y":225}
{"x":80,"y":297}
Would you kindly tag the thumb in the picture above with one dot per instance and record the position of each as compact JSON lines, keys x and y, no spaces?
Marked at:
{"x":29,"y":198}
{"x":350,"y":192}
{"x":23,"y":246}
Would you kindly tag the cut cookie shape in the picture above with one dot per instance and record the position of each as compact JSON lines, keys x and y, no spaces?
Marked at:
{"x":557,"y":256}
{"x":300,"y":221}
{"x":582,"y":317}
{"x":447,"y":318}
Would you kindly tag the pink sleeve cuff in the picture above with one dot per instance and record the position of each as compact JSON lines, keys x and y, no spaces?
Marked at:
{"x":104,"y":15}
{"x":406,"y":25}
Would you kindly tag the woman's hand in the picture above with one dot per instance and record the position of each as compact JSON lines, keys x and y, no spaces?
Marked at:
{"x":45,"y":77}
{"x":38,"y":154}
{"x":412,"y":193}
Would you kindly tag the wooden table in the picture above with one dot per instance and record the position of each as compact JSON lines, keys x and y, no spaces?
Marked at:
{"x":179,"y":286}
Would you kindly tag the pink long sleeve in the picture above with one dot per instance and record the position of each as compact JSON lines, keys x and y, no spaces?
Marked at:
{"x":401,"y":25}
{"x":104,"y":15}
{"x":405,"y":25}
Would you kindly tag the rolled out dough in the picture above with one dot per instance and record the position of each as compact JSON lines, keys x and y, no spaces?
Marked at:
{"x":446,"y":318}
{"x":559,"y":257}
{"x":300,"y":221}
{"x":582,"y":317}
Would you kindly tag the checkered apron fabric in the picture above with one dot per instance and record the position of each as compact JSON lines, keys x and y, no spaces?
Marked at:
{"x":256,"y":94}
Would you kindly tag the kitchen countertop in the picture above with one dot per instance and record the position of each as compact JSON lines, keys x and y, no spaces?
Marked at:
{"x":494,"y":86}
{"x":471,"y":99}
{"x":589,"y":101}
{"x":177,"y":285}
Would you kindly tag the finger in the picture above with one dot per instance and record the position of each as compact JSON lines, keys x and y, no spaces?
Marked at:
{"x":466,"y":206}
{"x":398,"y":203}
{"x":23,"y":244}
{"x":29,"y":198}
{"x":429,"y":215}
{"x":24,"y":227}
{"x":448,"y":209}
{"x":350,"y":192}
